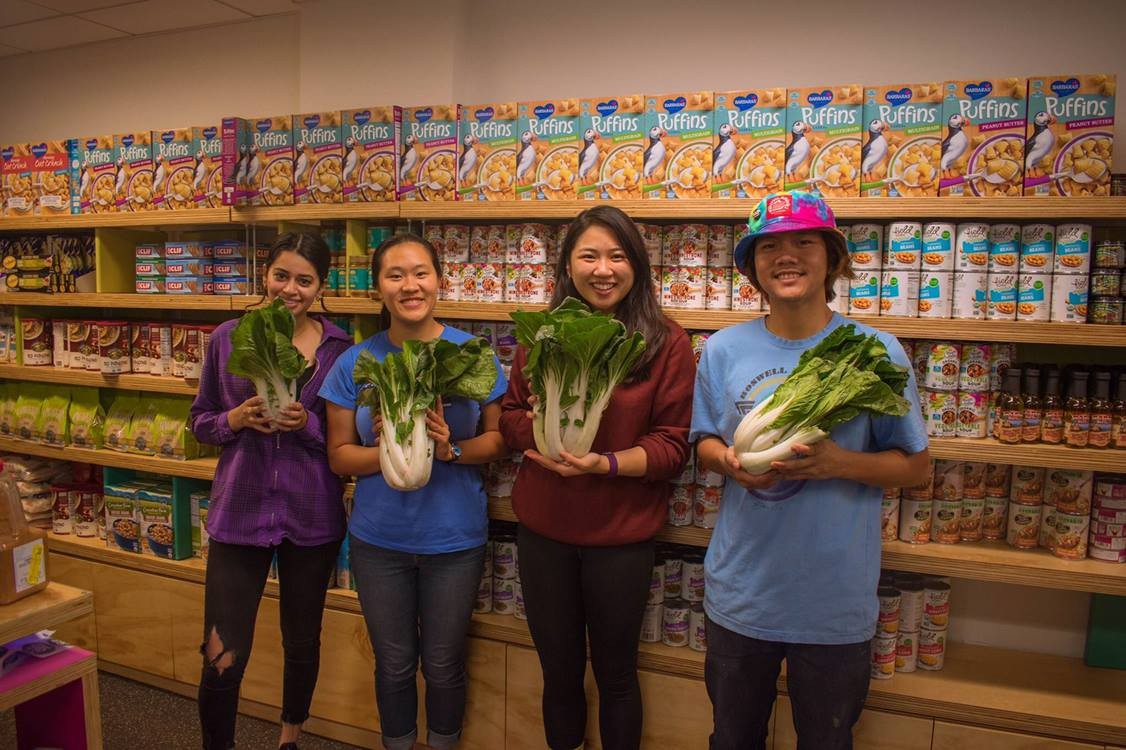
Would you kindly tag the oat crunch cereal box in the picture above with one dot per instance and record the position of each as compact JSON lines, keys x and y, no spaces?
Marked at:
{"x":486,"y":157}
{"x":269,"y":173}
{"x":1070,"y":135}
{"x":207,"y":183}
{"x":613,"y":144}
{"x":428,"y":161}
{"x":824,"y":129}
{"x":748,"y":151}
{"x":174,"y":169}
{"x":318,"y":158}
{"x":903,"y":140}
{"x":983,"y":137}
{"x":97,"y":175}
{"x":678,"y":155}
{"x":50,"y":174}
{"x":371,"y":152}
{"x":133,"y":186}
{"x":15,"y":180}
{"x":547,"y":156}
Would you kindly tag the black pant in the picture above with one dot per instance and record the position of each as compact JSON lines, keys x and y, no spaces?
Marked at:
{"x":827,"y":687}
{"x":570,"y":592}
{"x":236,"y":575}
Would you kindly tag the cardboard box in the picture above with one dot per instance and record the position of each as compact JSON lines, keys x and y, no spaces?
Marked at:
{"x":903,"y":141}
{"x":677,"y":162}
{"x":371,"y":154}
{"x":428,"y":167}
{"x":547,"y":157}
{"x":96,"y":194}
{"x":17,"y":192}
{"x":613,"y":147}
{"x":1070,"y":134}
{"x":133,"y":187}
{"x":749,"y":144}
{"x":983,"y":137}
{"x":823,"y":155}
{"x":174,"y":169}
{"x":486,"y":163}
{"x":319,"y":158}
{"x":207,"y":185}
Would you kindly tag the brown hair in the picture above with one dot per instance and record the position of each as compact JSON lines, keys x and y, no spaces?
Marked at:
{"x":377,"y":262}
{"x":838,"y":260}
{"x":310,"y":246}
{"x":639,"y":310}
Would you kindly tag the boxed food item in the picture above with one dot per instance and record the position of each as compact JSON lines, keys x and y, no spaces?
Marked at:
{"x":486,"y":164}
{"x":149,"y":285}
{"x":189,"y":284}
{"x":318,"y":158}
{"x":983,"y":142}
{"x":200,"y":502}
{"x":184,"y":249}
{"x":51,"y":172}
{"x":133,"y":186}
{"x":234,"y":161}
{"x":1070,"y":134}
{"x":231,"y":286}
{"x":96,"y":191}
{"x":257,"y":161}
{"x":23,"y":551}
{"x":123,"y":527}
{"x":749,"y":144}
{"x":207,"y":183}
{"x":174,"y":169}
{"x":677,"y":162}
{"x":825,"y":128}
{"x":428,"y":168}
{"x":613,"y":133}
{"x":371,"y":153}
{"x":901,"y":149}
{"x":547,"y":157}
{"x":16,"y":190}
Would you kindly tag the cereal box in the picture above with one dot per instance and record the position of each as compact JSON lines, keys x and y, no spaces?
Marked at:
{"x":823,"y":155}
{"x":983,"y":142}
{"x":486,"y":161}
{"x":133,"y":186}
{"x":235,"y":160}
{"x":318,"y":158}
{"x":96,"y":185}
{"x":904,"y":140}
{"x":371,"y":153}
{"x":749,"y":144}
{"x":678,"y":156}
{"x":428,"y":163}
{"x":547,"y":157}
{"x":51,"y":169}
{"x":269,"y":174}
{"x":15,"y":180}
{"x":613,"y":144}
{"x":207,"y":183}
{"x":174,"y":166}
{"x":1070,"y":135}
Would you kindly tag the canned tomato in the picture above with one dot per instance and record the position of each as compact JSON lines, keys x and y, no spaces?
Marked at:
{"x":1048,"y":528}
{"x":889,"y":519}
{"x":938,"y":246}
{"x":1023,"y":529}
{"x":1073,"y":248}
{"x":942,"y":414}
{"x":1069,"y":298}
{"x":1069,"y":490}
{"x":906,"y":652}
{"x":717,"y":291}
{"x":1106,"y":311}
{"x":865,"y":246}
{"x":693,"y":245}
{"x":504,"y":596}
{"x":1027,"y":485}
{"x":946,"y":521}
{"x":887,"y":622}
{"x":943,"y":365}
{"x":972,"y":247}
{"x":697,"y":631}
{"x":1071,"y":535}
{"x":972,"y":510}
{"x":904,"y":247}
{"x":932,"y":649}
{"x":994,"y":517}
{"x":883,"y":657}
{"x":864,"y":293}
{"x":910,"y":604}
{"x":652,"y":623}
{"x":680,"y":505}
{"x":936,"y":605}
{"x":675,"y":619}
{"x":657,"y":583}
{"x":936,"y":294}
{"x":971,"y":293}
{"x":744,"y":295}
{"x":720,"y":245}
{"x":1034,"y":296}
{"x":948,"y":479}
{"x":705,"y":509}
{"x":899,"y":293}
{"x":1004,"y":248}
{"x":674,"y":572}
{"x":1037,"y":248}
{"x":1002,"y":304}
{"x":973,"y":479}
{"x":915,"y":521}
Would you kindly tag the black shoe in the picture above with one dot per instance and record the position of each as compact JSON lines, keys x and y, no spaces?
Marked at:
{"x":289,"y":746}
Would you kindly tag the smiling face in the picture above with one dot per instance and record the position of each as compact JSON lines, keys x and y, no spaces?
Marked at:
{"x":792,"y":267}
{"x":408,"y":283}
{"x":294,"y":280}
{"x":600,"y":269}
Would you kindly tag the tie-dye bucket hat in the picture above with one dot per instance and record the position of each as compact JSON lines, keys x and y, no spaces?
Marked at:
{"x":791,"y":211}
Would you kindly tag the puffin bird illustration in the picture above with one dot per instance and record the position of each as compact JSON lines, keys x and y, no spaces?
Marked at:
{"x":350,"y":157}
{"x":724,"y":153}
{"x":301,"y":166}
{"x":158,"y":176}
{"x":243,"y":165}
{"x":654,"y":152}
{"x":876,"y":149}
{"x":1040,"y":143}
{"x":798,"y":150}
{"x":468,"y":159}
{"x":955,"y":143}
{"x":200,"y":171}
{"x":588,"y":156}
{"x":119,"y":183}
{"x":526,"y":156}
{"x":410,"y":156}
{"x":253,"y":167}
{"x":85,"y":177}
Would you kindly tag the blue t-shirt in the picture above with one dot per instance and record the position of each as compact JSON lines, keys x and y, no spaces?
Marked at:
{"x":446,"y":515}
{"x":798,"y":562}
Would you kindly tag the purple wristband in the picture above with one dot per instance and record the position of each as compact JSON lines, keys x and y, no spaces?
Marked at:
{"x":613,"y":470}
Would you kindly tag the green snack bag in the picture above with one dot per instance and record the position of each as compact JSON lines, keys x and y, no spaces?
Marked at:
{"x":171,"y":434}
{"x":87,"y":418}
{"x":118,"y":421}
{"x":28,"y":404}
{"x":142,"y":430}
{"x":52,"y":425}
{"x":8,"y":398}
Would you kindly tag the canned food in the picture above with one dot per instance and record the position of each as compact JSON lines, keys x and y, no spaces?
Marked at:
{"x":972,"y":510}
{"x":680,"y":505}
{"x":504,"y":557}
{"x":449,"y":284}
{"x":936,"y":605}
{"x":1115,"y":556}
{"x":504,"y":596}
{"x":657,"y":583}
{"x":532,"y":243}
{"x":1048,"y":528}
{"x":697,"y":630}
{"x":1027,"y":485}
{"x":948,"y":479}
{"x":938,"y":246}
{"x":1115,"y":530}
{"x":705,"y":509}
{"x":904,"y":248}
{"x":705,"y":478}
{"x":994,"y":517}
{"x":518,"y":596}
{"x":839,"y":302}
{"x":1073,"y":248}
{"x":496,"y":245}
{"x":693,"y":245}
{"x":971,"y":292}
{"x":1107,"y":515}
{"x":942,"y":414}
{"x":1105,"y":282}
{"x":1037,"y":248}
{"x":864,"y":293}
{"x":883,"y":657}
{"x":1069,"y":298}
{"x":972,"y":247}
{"x":1107,"y":310}
{"x":943,"y":366}
{"x":910,"y":604}
{"x":924,"y":490}
{"x":744,"y":295}
{"x":1109,"y":254}
{"x":973,"y":479}
{"x":652,"y":623}
{"x":1004,"y":248}
{"x":682,"y":287}
{"x":973,"y":367}
{"x":720,"y":246}
{"x":889,"y":519}
{"x":1069,"y":490}
{"x":717,"y":291}
{"x":526,"y":283}
{"x":906,"y":652}
{"x":1071,"y":535}
{"x":692,"y":579}
{"x":936,"y":294}
{"x":1110,"y":491}
{"x":1002,"y":304}
{"x":478,"y":244}
{"x":915,"y":520}
{"x":1023,"y":530}
{"x":866,"y":246}
{"x":919,"y":359}
{"x":490,"y":282}
{"x":899,"y":293}
{"x":675,"y":619}
{"x":932,"y":649}
{"x":1034,"y":296}
{"x":946,"y":521}
{"x":484,"y":601}
{"x":674,"y":573}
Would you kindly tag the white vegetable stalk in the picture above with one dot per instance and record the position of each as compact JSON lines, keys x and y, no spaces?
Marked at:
{"x":277,"y":393}
{"x":756,"y":446}
{"x":406,"y":467}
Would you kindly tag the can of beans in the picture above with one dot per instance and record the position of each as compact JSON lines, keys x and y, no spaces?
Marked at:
{"x":904,"y":246}
{"x":839,"y":303}
{"x":680,"y":505}
{"x":972,"y":510}
{"x":910,"y":605}
{"x":1004,"y":248}
{"x":1034,"y":296}
{"x":705,"y":509}
{"x":504,"y":596}
{"x":1037,"y":248}
{"x":971,"y":293}
{"x":906,"y":652}
{"x":865,"y":246}
{"x":720,"y":246}
{"x":674,"y":573}
{"x":932,"y":649}
{"x":936,"y":605}
{"x":883,"y":657}
{"x":972,"y":246}
{"x":692,"y":579}
{"x":972,"y":411}
{"x":1073,"y":249}
{"x":943,"y":366}
{"x":675,"y":619}
{"x":652,"y":623}
{"x":942,"y":414}
{"x":697,"y":632}
{"x":899,"y":293}
{"x":864,"y":293}
{"x":938,"y":246}
{"x":915,"y":520}
{"x":1072,"y":531}
{"x":936,"y":294}
{"x":889,"y":519}
{"x":887,"y":622}
{"x":1023,"y":530}
{"x":1027,"y":485}
{"x":946,"y":521}
{"x":949,"y":478}
{"x":1069,"y":298}
{"x":994,"y":518}
{"x":1002,"y":303}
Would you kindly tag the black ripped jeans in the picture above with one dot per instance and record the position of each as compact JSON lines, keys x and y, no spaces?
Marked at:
{"x":236,"y":576}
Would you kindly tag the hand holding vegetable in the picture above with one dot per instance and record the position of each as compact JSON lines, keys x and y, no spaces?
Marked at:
{"x":438,"y":431}
{"x":292,"y":418}
{"x":747,"y":480}
{"x":250,"y":414}
{"x":572,"y":466}
{"x":262,"y":351}
{"x":823,"y":460}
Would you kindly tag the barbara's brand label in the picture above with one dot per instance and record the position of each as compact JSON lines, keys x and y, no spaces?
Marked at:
{"x":486,"y":160}
{"x":371,"y":153}
{"x":613,"y":147}
{"x":983,"y":137}
{"x":318,"y":158}
{"x":749,"y":144}
{"x":174,"y":169}
{"x":547,"y":154}
{"x":824,"y":129}
{"x":677,"y":162}
{"x":902,"y":142}
{"x":1070,"y":134}
{"x":133,"y":185}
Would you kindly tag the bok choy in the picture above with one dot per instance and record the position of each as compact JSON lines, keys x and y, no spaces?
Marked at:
{"x":262,"y":350}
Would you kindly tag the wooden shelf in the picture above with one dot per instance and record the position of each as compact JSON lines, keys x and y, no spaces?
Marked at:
{"x":201,"y":468}
{"x":54,"y":605}
{"x":316,"y":212}
{"x":119,"y":300}
{"x":1028,"y":454}
{"x":66,"y":376}
{"x":144,"y":219}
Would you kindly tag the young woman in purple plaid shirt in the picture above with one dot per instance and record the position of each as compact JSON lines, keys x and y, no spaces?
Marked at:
{"x":274,"y":493}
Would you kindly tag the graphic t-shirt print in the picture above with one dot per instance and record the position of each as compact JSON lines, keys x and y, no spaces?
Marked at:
{"x":761,"y":387}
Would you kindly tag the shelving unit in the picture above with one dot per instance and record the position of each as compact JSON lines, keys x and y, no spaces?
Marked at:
{"x":55,"y":604}
{"x":201,"y":468}
{"x":145,"y":219}
{"x":67,"y":376}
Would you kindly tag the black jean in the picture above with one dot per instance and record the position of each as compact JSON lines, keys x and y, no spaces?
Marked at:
{"x":236,"y":576}
{"x":571,"y":592}
{"x":827,"y":687}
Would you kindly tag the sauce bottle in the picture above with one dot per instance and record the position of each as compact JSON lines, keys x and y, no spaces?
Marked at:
{"x":1118,"y":405}
{"x":1102,"y":415}
{"x":1010,"y":408}
{"x":1076,"y":413}
{"x":1051,"y":424}
{"x":1033,"y":406}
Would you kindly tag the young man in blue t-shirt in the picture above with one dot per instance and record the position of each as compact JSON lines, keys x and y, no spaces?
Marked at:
{"x":794,"y":560}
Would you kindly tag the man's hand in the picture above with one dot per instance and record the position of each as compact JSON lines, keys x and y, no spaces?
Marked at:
{"x":571,"y":466}
{"x":822,"y":460}
{"x":734,"y":469}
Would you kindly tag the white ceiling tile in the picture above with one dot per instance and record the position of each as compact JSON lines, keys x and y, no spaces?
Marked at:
{"x":9,"y":51}
{"x":78,"y":6}
{"x":53,"y":33}
{"x":262,"y":7}
{"x":18,"y":11}
{"x":164,"y":15}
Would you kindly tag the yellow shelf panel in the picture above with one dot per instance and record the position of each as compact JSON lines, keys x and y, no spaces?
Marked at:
{"x":203,"y":468}
{"x":66,"y":376}
{"x":143,"y":219}
{"x":122,"y":300}
{"x":338,"y":212}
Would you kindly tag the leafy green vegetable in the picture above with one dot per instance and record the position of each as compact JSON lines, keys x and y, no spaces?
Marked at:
{"x":262,"y":351}
{"x":575,"y":360}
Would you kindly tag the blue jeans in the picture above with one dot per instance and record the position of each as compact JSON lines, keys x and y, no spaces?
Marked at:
{"x":827,"y":687}
{"x":418,"y":605}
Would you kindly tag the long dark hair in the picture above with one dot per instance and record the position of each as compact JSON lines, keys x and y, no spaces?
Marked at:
{"x":639,"y":310}
{"x":377,"y":263}
{"x":310,"y":246}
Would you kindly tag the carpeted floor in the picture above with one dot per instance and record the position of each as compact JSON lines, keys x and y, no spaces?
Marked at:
{"x":127,"y":705}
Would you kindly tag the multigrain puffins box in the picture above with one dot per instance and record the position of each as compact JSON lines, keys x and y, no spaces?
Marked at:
{"x":983,"y":141}
{"x":613,"y":144}
{"x":371,"y":154}
{"x":903,"y":141}
{"x":823,"y":154}
{"x":207,"y":184}
{"x":318,"y":158}
{"x":486,"y":161}
{"x":1070,"y":134}
{"x":677,"y":162}
{"x":547,"y":157}
{"x":174,"y":169}
{"x":749,"y":143}
{"x":16,"y":189}
{"x":428,"y":167}
{"x":133,"y":187}
{"x":96,"y":194}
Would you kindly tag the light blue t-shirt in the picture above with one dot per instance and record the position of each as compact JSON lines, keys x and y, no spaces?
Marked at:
{"x":798,"y":562}
{"x":450,"y":512}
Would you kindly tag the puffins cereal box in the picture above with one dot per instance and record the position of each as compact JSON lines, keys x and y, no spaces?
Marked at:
{"x":15,"y":180}
{"x":547,"y":156}
{"x":677,"y":162}
{"x":1070,"y":135}
{"x":371,"y":153}
{"x":903,"y":140}
{"x":428,"y":162}
{"x":269,"y":175}
{"x":98,"y":174}
{"x":749,"y":146}
{"x":133,"y":186}
{"x":174,"y":168}
{"x":823,"y":154}
{"x":207,"y":184}
{"x":318,"y":158}
{"x":51,"y":167}
{"x":613,"y":133}
{"x":486,"y":158}
{"x":983,"y":141}
{"x":235,"y":160}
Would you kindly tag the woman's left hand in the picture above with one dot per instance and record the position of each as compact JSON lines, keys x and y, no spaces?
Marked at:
{"x":572,"y":466}
{"x":291,"y":418}
{"x":822,"y":460}
{"x":438,"y":431}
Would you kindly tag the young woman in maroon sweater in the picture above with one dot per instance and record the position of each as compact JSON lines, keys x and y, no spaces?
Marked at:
{"x":587,"y":523}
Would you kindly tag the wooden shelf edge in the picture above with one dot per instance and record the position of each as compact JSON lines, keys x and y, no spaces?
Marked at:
{"x":46,"y":609}
{"x":67,"y":376}
{"x":145,"y":219}
{"x":201,"y":468}
{"x":1028,"y":454}
{"x":315,"y":212}
{"x":124,"y":300}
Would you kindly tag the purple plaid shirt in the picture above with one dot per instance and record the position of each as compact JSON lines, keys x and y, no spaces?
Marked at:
{"x":269,"y":487}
